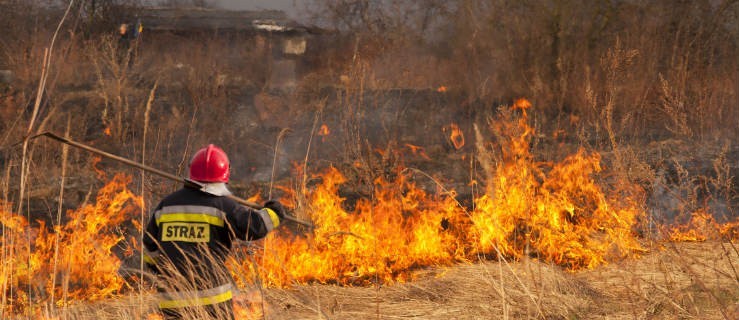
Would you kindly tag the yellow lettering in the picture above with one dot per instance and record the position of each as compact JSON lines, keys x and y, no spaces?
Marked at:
{"x":186,"y":232}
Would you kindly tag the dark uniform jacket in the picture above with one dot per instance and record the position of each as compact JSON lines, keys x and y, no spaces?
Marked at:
{"x":188,"y":238}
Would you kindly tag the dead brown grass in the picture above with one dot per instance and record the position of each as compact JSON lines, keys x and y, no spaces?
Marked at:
{"x":676,"y":281}
{"x":689,"y":280}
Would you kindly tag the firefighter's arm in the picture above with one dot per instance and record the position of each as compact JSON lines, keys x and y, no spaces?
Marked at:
{"x":253,"y":224}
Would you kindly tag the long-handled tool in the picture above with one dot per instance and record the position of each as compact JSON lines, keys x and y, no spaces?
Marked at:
{"x":158,"y":172}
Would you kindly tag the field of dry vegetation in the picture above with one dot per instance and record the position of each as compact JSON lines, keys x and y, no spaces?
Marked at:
{"x":461,"y":159}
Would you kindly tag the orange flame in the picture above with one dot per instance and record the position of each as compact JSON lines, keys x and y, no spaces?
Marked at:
{"x":441,"y":89}
{"x":107,"y":131}
{"x":86,"y":267}
{"x":456,"y":136}
{"x":101,"y":175}
{"x":248,"y":306}
{"x":323,"y":131}
{"x":372,"y":240}
{"x":703,"y":226}
{"x":418,"y":150}
{"x":522,"y":104}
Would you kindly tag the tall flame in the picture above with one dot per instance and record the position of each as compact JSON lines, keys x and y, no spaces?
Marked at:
{"x":85,"y":267}
{"x":555,"y":211}
{"x":382,"y":238}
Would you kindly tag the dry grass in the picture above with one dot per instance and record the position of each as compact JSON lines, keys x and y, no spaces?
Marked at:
{"x":680,"y":281}
{"x":674,"y":281}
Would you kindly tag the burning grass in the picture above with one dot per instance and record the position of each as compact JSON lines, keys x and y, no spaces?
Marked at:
{"x":72,"y":262}
{"x":555,"y":211}
{"x":686,"y":280}
{"x":683,"y":280}
{"x":563,"y":213}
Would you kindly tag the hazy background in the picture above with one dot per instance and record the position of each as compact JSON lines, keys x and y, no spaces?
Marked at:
{"x":291,"y":7}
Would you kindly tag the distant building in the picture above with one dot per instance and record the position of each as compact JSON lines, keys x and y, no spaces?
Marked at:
{"x":268,"y":28}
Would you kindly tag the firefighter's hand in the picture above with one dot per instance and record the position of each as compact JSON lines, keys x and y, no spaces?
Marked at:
{"x":277,"y":207}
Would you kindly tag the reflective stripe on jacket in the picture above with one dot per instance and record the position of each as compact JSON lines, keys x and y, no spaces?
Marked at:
{"x":197,"y":298}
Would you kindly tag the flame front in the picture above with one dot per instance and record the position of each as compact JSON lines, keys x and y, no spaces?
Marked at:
{"x":703,"y":226}
{"x":70,"y":262}
{"x":555,"y":211}
{"x":384,"y":238}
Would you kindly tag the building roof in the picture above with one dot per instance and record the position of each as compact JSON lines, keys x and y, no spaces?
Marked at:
{"x":194,"y":19}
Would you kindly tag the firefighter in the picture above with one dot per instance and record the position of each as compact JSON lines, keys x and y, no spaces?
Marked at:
{"x":190,"y":234}
{"x":128,"y":41}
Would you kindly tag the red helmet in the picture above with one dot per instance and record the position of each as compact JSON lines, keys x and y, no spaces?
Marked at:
{"x":210,"y":164}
